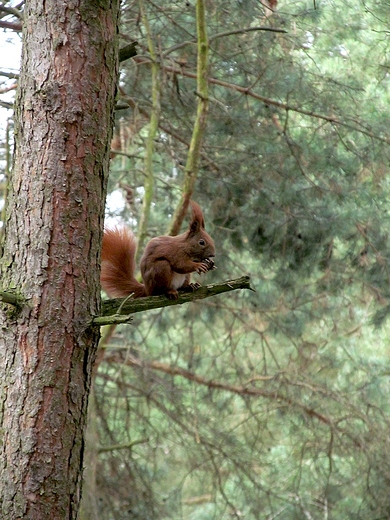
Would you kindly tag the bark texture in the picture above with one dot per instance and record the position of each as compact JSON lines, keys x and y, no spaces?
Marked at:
{"x":52,"y":250}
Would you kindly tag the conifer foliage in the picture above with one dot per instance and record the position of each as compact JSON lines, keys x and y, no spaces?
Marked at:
{"x":266,"y":405}
{"x":271,"y":404}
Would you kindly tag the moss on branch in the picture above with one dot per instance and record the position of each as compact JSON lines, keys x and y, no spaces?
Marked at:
{"x":120,"y":310}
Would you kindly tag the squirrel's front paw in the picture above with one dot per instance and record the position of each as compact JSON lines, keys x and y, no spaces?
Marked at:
{"x":206,"y":265}
{"x":202,"y":267}
{"x":210,"y":264}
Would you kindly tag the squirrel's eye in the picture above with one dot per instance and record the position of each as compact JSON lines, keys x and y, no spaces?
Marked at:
{"x":202,"y":242}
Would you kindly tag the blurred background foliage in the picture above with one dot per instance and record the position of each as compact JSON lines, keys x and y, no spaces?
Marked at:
{"x":272,"y":404}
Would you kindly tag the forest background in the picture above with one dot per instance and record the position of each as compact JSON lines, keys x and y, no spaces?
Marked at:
{"x":272,"y":404}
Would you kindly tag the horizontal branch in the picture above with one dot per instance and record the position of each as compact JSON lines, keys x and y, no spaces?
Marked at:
{"x":246,"y":30}
{"x":12,"y":11}
{"x":223,"y":35}
{"x":14,"y":26}
{"x":10,"y":75}
{"x":114,"y":319}
{"x":5,"y":90}
{"x":5,"y":104}
{"x":128,"y":51}
{"x":272,"y":102}
{"x":243,"y":390}
{"x":119,"y":309}
{"x":126,"y":446}
{"x":11,"y":298}
{"x":247,"y":389}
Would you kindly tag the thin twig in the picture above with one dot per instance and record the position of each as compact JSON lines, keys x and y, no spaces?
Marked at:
{"x":268,"y":101}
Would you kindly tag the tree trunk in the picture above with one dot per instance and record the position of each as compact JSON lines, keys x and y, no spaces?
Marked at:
{"x":63,"y":126}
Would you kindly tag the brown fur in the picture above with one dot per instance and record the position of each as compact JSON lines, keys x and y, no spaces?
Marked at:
{"x":118,"y":264}
{"x":166,"y":265}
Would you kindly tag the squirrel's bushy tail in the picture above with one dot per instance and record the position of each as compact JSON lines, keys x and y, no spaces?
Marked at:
{"x":118,"y":264}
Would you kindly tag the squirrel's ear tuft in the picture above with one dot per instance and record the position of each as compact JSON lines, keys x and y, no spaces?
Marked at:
{"x":197,"y":220}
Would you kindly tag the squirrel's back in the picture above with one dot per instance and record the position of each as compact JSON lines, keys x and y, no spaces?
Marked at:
{"x":118,"y":264}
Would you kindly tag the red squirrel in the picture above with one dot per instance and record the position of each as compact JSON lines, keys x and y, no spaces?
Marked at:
{"x":166,"y":265}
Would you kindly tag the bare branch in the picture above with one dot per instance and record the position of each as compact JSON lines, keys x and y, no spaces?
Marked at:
{"x":10,"y":75}
{"x":222,"y":35}
{"x":12,"y":11}
{"x":126,"y":446}
{"x":14,"y":26}
{"x":272,"y":102}
{"x":120,"y":308}
{"x":243,"y":390}
{"x":8,"y":89}
{"x":246,"y":30}
{"x":128,"y":51}
{"x":11,"y":298}
{"x":5,"y":104}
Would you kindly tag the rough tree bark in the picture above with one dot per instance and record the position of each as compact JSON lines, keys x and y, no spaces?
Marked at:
{"x":51,"y":252}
